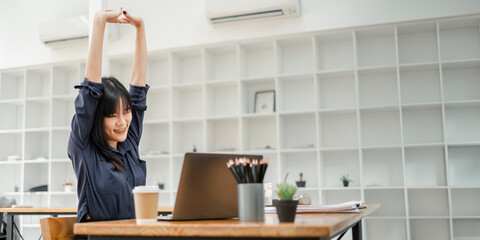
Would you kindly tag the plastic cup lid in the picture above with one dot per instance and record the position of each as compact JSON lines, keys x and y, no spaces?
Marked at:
{"x":146,"y":189}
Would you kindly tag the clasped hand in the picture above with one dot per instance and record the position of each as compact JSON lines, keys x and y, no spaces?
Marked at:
{"x":119,"y":16}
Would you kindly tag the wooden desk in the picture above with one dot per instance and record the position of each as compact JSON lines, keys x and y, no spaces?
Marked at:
{"x":306,"y":226}
{"x":54,"y":212}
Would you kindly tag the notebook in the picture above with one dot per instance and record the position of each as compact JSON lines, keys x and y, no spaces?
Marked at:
{"x":207,"y":189}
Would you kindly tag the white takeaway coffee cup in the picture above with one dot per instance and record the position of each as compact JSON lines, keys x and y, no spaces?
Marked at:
{"x":146,"y":204}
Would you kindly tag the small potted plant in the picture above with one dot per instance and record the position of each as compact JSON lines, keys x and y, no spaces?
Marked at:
{"x":301,"y":183}
{"x":285,"y":205}
{"x":346,"y":180}
{"x":67,"y":185}
{"x":161,"y":183}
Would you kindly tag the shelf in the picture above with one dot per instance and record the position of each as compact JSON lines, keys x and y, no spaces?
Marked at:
{"x":420,"y":84}
{"x":256,"y":59}
{"x":459,"y":39}
{"x":377,"y":88}
{"x":392,"y":229}
{"x":10,"y":144}
{"x":38,"y":175}
{"x":155,"y":156}
{"x":64,"y":78}
{"x":60,"y":160}
{"x":177,"y":164}
{"x":299,"y":150}
{"x":334,"y":51}
{"x":37,"y":145}
{"x":223,"y":135}
{"x":422,"y":126}
{"x":376,"y":47}
{"x":461,"y":124}
{"x":290,"y":50}
{"x":380,"y":128}
{"x":222,"y":99}
{"x":60,"y":140}
{"x":296,"y":93}
{"x":37,"y":114}
{"x":463,"y":166}
{"x":187,"y":67}
{"x":158,"y":106}
{"x":296,"y":131}
{"x":464,"y":202}
{"x":272,"y":175}
{"x":337,"y":90}
{"x":466,"y":228}
{"x":461,"y":81}
{"x":430,"y":229}
{"x":338,"y":130}
{"x":62,"y":112}
{"x":61,"y":171}
{"x":12,"y":85}
{"x":122,"y":68}
{"x":380,"y":168}
{"x":12,"y":172}
{"x":417,"y":43}
{"x":38,"y":82}
{"x":259,"y":133}
{"x":333,"y":165}
{"x":296,"y":163}
{"x":63,"y":193}
{"x":431,"y":202}
{"x":392,"y":201}
{"x":155,"y":139}
{"x":221,"y":63}
{"x":158,"y":70}
{"x":425,"y":167}
{"x":161,"y":173}
{"x":187,"y":136}
{"x":188,"y":103}
{"x":14,"y":111}
{"x":249,"y":90}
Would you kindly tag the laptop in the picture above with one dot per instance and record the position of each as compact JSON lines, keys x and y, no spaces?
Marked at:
{"x":207,"y":189}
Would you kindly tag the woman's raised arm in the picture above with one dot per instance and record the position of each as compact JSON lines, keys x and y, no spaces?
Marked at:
{"x":139,"y":68}
{"x":93,"y":69}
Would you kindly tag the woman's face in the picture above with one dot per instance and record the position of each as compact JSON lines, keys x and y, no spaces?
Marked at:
{"x":116,"y":125}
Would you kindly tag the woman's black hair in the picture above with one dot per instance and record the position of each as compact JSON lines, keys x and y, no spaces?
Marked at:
{"x":113,"y":90}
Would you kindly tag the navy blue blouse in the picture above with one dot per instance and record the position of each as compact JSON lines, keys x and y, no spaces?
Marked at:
{"x":104,"y":192}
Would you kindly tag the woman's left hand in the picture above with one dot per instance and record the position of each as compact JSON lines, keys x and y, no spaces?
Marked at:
{"x":133,"y":20}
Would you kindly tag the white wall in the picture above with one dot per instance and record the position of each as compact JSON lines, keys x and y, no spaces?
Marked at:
{"x":180,"y":23}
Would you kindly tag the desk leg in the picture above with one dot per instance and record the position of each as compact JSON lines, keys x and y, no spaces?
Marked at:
{"x":10,"y":226}
{"x":357,"y":231}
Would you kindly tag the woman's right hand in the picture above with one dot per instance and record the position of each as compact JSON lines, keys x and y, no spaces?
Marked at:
{"x":112,"y":16}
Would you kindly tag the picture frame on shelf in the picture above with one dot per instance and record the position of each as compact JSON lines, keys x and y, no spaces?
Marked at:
{"x":264,"y":101}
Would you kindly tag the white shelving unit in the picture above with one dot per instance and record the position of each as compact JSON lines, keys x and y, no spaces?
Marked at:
{"x":396,"y":107}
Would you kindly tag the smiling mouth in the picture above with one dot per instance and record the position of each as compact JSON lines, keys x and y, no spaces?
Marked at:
{"x":121,"y":131}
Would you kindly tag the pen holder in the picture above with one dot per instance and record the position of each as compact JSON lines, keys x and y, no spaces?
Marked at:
{"x":250,"y":202}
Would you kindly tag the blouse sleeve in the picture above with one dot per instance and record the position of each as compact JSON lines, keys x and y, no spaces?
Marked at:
{"x":139,"y":106}
{"x":85,"y":107}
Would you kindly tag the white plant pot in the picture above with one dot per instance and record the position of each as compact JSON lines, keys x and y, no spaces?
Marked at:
{"x":67,"y":188}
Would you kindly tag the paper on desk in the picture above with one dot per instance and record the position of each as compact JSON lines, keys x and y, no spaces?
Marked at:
{"x":351,"y":206}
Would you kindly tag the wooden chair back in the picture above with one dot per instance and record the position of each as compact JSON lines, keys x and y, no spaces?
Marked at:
{"x":57,"y":228}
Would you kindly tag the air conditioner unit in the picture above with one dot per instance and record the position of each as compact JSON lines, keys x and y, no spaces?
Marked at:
{"x":226,"y":11}
{"x":64,"y":30}
{"x":68,"y":31}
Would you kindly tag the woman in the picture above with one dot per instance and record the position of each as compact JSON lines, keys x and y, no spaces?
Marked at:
{"x":106,"y":129}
